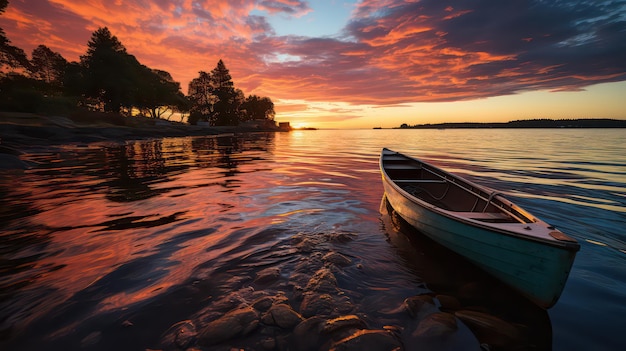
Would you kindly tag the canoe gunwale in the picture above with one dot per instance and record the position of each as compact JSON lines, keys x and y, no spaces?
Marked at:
{"x":560,"y":241}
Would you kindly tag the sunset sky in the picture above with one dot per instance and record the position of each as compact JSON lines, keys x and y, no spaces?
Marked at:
{"x":368,"y":63}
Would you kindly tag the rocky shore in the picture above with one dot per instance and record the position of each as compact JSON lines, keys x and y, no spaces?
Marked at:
{"x":306,"y":309}
{"x":24,"y":131}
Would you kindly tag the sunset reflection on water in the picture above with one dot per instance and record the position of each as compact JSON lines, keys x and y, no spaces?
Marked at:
{"x":94,"y":235}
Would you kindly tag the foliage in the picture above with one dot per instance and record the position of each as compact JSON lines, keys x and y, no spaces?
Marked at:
{"x":48,"y":66}
{"x":24,"y":94}
{"x":256,"y":107}
{"x":201,"y":97}
{"x":214,"y":98}
{"x":11,"y":57}
{"x":109,"y":71}
{"x":108,"y":79}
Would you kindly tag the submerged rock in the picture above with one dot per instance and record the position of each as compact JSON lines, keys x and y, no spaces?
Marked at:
{"x":267,"y":276}
{"x":439,"y":324}
{"x":317,"y":305}
{"x":420,"y":306}
{"x":371,"y":340}
{"x":263,"y":303}
{"x":181,"y":335}
{"x":490,"y":329}
{"x":341,"y":237}
{"x":283,"y":316}
{"x":449,"y":303}
{"x":349,"y":321}
{"x":337,"y":259}
{"x":307,"y":335}
{"x":323,"y":281}
{"x":235,"y":323}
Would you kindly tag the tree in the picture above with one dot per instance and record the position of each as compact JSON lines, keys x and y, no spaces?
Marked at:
{"x":117,"y":82}
{"x":160,"y":94}
{"x":109,"y":71}
{"x":229,"y":99}
{"x":213,"y":97}
{"x":11,"y":57}
{"x":201,"y":98}
{"x":47,"y":66}
{"x":256,"y":107}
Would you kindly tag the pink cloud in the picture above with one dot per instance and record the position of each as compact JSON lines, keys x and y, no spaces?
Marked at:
{"x":391,"y":52}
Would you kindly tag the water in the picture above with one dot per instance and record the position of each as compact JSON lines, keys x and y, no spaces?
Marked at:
{"x":107,"y":246}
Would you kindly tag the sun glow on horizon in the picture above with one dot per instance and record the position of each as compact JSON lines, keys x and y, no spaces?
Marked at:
{"x":362,"y":64}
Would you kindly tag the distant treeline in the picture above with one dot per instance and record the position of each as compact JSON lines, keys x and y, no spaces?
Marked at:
{"x":108,"y":79}
{"x":528,"y":123}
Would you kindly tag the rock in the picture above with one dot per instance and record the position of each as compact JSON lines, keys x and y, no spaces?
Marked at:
{"x":448,"y":303}
{"x":267,"y":276}
{"x":371,"y":340}
{"x":490,"y":329}
{"x":186,"y":335}
{"x":316,"y":304}
{"x":349,"y":321}
{"x":235,"y":323}
{"x":309,"y":264}
{"x":344,"y":305}
{"x":179,"y":336}
{"x":228,"y":302}
{"x":420,"y":306}
{"x":268,"y":344}
{"x":439,"y":324}
{"x":263,"y":303}
{"x":337,"y":259}
{"x":307,"y":245}
{"x":323,"y":281}
{"x":341,"y":237}
{"x":282,"y":315}
{"x":307,"y":335}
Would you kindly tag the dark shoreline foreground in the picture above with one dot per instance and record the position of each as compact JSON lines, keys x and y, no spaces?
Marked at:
{"x":20,"y":132}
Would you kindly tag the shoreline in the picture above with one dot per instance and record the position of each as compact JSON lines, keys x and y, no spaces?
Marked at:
{"x":23,"y":132}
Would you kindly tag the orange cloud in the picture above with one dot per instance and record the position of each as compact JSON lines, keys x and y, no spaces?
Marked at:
{"x":390,"y":52}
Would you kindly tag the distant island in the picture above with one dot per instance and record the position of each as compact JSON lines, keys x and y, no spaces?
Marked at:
{"x":529,"y":123}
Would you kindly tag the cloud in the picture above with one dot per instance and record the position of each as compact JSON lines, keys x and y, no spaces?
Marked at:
{"x":291,"y":7}
{"x":390,"y":52}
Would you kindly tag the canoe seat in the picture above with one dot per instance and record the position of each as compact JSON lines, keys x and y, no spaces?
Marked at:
{"x":441,"y":181}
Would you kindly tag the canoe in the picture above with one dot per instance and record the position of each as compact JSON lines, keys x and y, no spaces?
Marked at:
{"x":480,"y":224}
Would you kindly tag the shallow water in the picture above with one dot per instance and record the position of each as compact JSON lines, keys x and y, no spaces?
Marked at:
{"x":107,"y":246}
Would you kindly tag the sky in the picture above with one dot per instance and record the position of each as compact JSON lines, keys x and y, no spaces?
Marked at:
{"x":366,"y":63}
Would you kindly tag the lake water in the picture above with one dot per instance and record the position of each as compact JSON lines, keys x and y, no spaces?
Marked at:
{"x":106,"y":247}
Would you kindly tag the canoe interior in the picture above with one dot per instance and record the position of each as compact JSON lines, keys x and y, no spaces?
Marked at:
{"x":445,"y":191}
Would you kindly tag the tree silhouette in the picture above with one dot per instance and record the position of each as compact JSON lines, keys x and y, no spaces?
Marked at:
{"x":256,"y":107}
{"x":47,"y":65}
{"x":159,"y":94}
{"x":226,"y":108}
{"x":116,"y":81}
{"x":109,"y":79}
{"x":201,"y":97}
{"x":11,"y":57}
{"x":214,"y":98}
{"x":108,"y":71}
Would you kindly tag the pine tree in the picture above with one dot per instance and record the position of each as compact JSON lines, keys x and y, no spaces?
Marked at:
{"x":229,"y":99}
